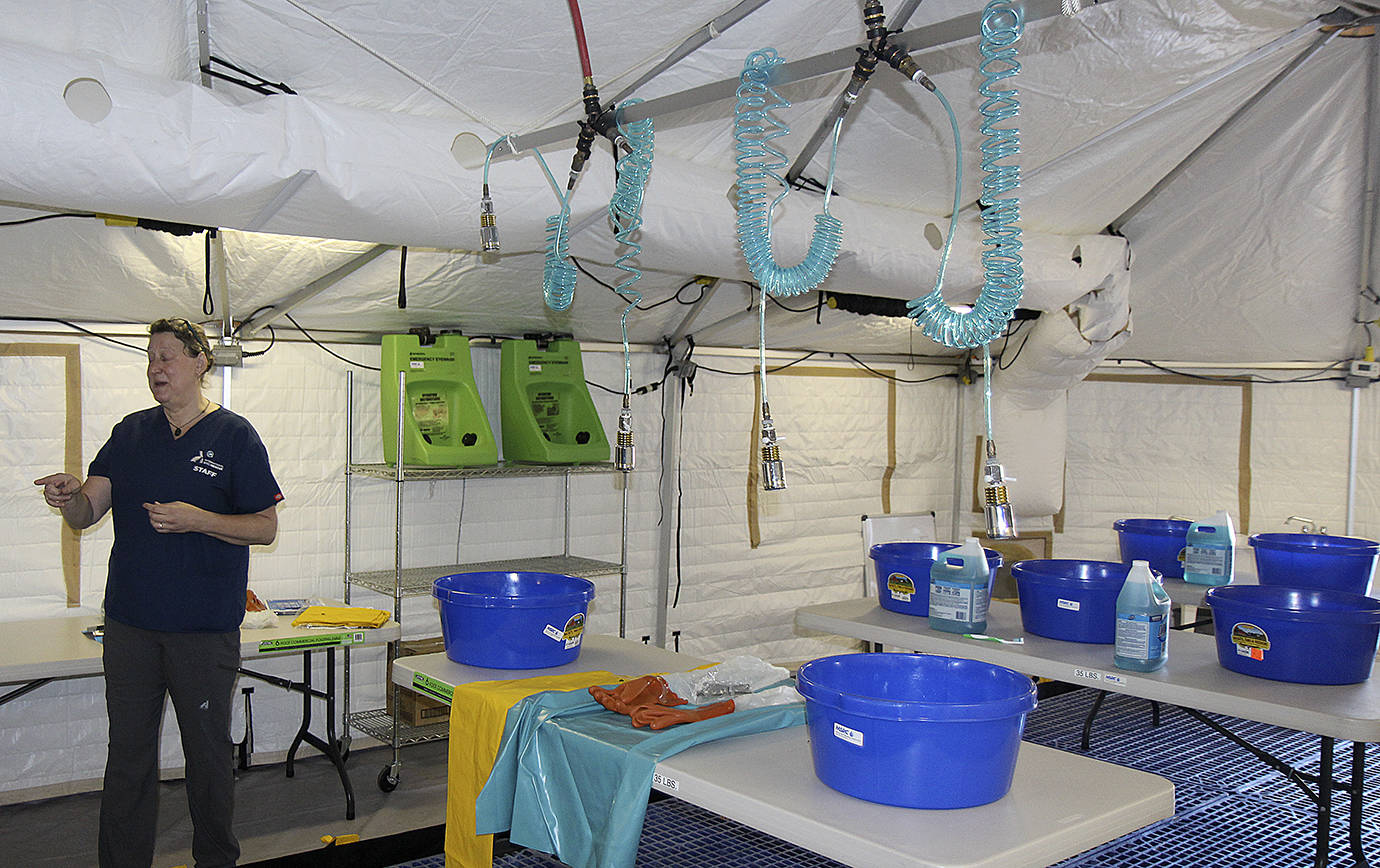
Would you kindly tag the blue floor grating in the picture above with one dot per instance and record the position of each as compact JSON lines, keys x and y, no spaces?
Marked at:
{"x":1231,"y":810}
{"x":679,"y":834}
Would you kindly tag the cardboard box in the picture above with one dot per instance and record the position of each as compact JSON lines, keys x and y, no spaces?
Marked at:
{"x":413,"y":708}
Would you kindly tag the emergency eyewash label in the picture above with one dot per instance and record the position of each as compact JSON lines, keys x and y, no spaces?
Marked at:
{"x":428,"y":686}
{"x":309,"y":643}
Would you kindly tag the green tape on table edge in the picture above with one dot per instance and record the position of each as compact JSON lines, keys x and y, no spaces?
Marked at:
{"x":308,"y":643}
{"x":435,"y":688}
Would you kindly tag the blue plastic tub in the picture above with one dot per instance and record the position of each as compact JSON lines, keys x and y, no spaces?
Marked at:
{"x":1157,"y":540}
{"x":915,"y":730}
{"x":516,"y":620}
{"x":1070,"y":600}
{"x":903,"y":573}
{"x":1307,"y":560}
{"x":1304,"y":635}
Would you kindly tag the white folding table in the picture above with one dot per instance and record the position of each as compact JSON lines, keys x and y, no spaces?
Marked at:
{"x":1192,"y":679}
{"x":40,"y":650}
{"x":1059,"y":804}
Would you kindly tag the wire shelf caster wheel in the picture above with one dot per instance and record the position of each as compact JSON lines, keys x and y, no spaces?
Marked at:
{"x":388,"y":779}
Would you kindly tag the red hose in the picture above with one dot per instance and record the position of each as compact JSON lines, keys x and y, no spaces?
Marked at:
{"x":585,"y":68}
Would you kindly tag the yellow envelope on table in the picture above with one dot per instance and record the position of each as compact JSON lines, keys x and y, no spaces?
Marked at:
{"x":340,"y":616}
{"x":477,"y":713}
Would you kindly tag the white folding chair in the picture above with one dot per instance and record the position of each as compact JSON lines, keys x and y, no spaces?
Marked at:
{"x":897,"y":527}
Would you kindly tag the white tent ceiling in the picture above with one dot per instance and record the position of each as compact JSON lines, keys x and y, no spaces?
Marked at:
{"x":1251,"y":254}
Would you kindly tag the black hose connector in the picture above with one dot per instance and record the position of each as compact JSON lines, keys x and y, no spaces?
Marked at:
{"x":875,"y":20}
{"x":899,"y":59}
{"x":584,"y":146}
{"x":862,"y":71}
{"x":590,"y":96}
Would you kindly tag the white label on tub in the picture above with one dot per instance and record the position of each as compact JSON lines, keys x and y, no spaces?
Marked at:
{"x":852,"y":736}
{"x":1071,"y":605}
{"x":416,"y":365}
{"x":1090,"y":674}
{"x":534,"y":368}
{"x":554,"y":632}
{"x":660,"y":780}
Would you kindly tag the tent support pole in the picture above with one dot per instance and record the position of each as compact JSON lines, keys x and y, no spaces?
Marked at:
{"x":290,"y":302}
{"x":203,"y":41}
{"x":670,"y":471}
{"x":939,"y":35}
{"x":1364,"y":308}
{"x":1303,"y":57}
{"x":693,"y":43}
{"x":678,"y":351}
{"x":288,"y":190}
{"x":956,"y":507}
{"x":812,"y":145}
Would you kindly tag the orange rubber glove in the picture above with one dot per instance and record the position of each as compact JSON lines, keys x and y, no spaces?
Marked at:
{"x":660,"y":716}
{"x":649,"y":690}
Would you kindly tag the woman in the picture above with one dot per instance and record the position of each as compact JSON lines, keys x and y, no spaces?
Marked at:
{"x":190,"y":489}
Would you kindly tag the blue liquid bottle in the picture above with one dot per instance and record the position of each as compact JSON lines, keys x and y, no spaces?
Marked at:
{"x":1142,"y":621}
{"x":1209,"y":551}
{"x":958,"y":589}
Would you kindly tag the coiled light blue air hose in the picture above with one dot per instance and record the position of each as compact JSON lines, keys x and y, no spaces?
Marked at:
{"x":759,"y":165}
{"x":1002,"y":23}
{"x":625,"y":211}
{"x":558,"y":274}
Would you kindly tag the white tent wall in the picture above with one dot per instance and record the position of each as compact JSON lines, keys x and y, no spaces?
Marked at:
{"x":1249,"y":257}
{"x":1140,"y":446}
{"x":841,"y":428}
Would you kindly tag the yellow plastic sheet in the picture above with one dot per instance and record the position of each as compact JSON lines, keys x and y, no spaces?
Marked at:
{"x":477,"y":714}
{"x":340,"y":616}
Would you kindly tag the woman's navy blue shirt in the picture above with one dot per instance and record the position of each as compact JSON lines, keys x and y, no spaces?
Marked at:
{"x":181,"y":582}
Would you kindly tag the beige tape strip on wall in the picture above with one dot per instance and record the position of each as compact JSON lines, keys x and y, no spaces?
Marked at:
{"x":71,"y":451}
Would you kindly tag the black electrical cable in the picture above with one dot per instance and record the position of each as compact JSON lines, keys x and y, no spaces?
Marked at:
{"x":258,"y":310}
{"x":811,"y":309}
{"x":680,"y":492}
{"x":402,"y":279}
{"x":701,"y":367}
{"x":603,"y":388}
{"x":1002,"y":363}
{"x":44,"y":217}
{"x":272,"y":339}
{"x":72,"y":325}
{"x":676,"y":298}
{"x":326,"y":348}
{"x":1310,"y":377}
{"x":885,"y":376}
{"x":259,"y":85}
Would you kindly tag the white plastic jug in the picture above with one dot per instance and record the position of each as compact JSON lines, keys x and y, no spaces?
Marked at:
{"x":958,"y":589}
{"x":1142,"y":621}
{"x":1209,"y":556}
